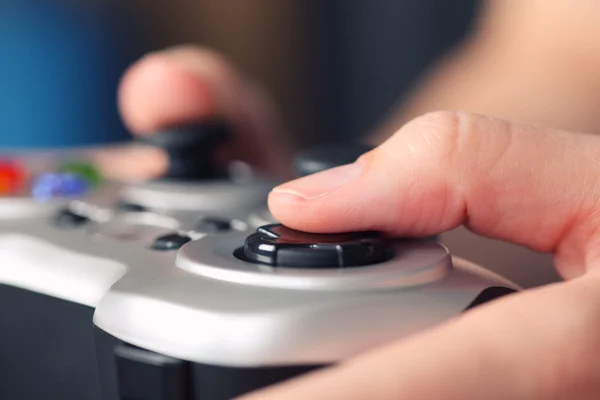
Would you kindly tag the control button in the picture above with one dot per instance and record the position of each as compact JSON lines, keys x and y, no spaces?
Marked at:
{"x":130,"y":207}
{"x":58,"y":185}
{"x":278,"y":245}
{"x":83,"y":170}
{"x":172,"y":241}
{"x":68,"y":219}
{"x":214,"y":225}
{"x":12,"y":177}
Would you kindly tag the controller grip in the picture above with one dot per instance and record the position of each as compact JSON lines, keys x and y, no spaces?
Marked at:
{"x":190,"y":148}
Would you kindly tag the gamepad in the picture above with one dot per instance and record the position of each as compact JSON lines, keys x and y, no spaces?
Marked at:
{"x":187,"y":288}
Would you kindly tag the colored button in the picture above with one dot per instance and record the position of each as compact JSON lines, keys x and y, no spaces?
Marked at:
{"x":58,"y":185}
{"x":84,"y":170}
{"x":12,"y":177}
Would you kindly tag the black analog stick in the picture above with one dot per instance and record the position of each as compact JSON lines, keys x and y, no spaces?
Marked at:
{"x":191,"y":148}
{"x":327,"y":156}
{"x":280,"y":246}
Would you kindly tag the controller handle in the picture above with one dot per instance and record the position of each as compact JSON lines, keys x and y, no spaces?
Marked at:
{"x":190,"y":149}
{"x":320,"y":158}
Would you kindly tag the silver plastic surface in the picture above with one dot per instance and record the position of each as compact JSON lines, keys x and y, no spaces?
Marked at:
{"x":210,"y":196}
{"x":17,"y":208}
{"x":414,"y":264}
{"x":38,"y":265}
{"x":216,"y":321}
{"x":204,"y":305}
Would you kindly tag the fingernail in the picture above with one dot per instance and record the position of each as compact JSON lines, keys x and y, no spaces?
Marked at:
{"x":321,"y":183}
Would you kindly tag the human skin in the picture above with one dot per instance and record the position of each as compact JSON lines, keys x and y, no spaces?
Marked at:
{"x":529,"y":185}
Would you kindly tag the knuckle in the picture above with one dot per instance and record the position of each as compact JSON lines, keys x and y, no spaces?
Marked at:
{"x":442,"y":125}
{"x":439,"y":136}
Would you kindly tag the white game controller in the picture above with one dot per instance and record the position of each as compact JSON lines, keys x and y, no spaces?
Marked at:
{"x":187,"y":288}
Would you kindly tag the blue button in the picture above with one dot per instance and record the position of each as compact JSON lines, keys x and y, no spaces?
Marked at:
{"x":58,"y":185}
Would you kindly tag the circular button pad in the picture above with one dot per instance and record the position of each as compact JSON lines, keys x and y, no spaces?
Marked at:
{"x":281,"y":246}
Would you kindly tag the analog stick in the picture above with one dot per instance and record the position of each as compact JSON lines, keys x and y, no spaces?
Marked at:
{"x":280,"y":246}
{"x":190,"y":149}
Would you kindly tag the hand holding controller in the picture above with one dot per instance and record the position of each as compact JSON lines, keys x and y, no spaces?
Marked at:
{"x":198,"y":257}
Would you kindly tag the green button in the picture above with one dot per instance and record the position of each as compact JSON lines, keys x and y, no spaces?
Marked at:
{"x":83,"y":170}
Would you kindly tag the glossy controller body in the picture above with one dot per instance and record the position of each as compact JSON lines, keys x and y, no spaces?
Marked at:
{"x":92,"y":310}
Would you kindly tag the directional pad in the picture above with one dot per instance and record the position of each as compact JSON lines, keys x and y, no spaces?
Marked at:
{"x":281,"y":246}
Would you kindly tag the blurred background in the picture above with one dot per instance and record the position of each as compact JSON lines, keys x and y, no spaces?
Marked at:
{"x":334,"y":67}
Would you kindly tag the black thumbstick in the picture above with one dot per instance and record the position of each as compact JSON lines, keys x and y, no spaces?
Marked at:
{"x":280,"y":246}
{"x":327,"y":156}
{"x":191,"y":148}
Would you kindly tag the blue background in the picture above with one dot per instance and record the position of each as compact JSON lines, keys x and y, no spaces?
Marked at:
{"x":59,"y":72}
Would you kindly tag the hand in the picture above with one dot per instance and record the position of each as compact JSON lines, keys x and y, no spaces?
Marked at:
{"x":536,"y":187}
{"x":186,"y":85}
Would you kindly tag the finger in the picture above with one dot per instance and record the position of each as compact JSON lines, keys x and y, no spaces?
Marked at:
{"x":538,"y":344}
{"x":185,"y":85}
{"x":532,"y":186}
{"x":129,"y":164}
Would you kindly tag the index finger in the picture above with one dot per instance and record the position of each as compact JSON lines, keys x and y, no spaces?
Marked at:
{"x":528,"y":185}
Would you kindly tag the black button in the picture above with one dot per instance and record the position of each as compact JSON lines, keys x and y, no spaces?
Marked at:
{"x":172,"y":241}
{"x":130,"y":207}
{"x":214,"y":225}
{"x":68,"y":219}
{"x":278,"y":245}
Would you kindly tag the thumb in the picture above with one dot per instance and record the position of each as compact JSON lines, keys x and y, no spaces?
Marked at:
{"x":527,"y":185}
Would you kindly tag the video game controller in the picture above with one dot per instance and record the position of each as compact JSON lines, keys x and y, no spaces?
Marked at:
{"x":186,"y":288}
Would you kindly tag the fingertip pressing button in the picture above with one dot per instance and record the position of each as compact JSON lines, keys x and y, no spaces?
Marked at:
{"x":172,"y":241}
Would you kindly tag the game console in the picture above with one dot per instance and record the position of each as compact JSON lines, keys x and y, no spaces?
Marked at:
{"x":186,"y":288}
